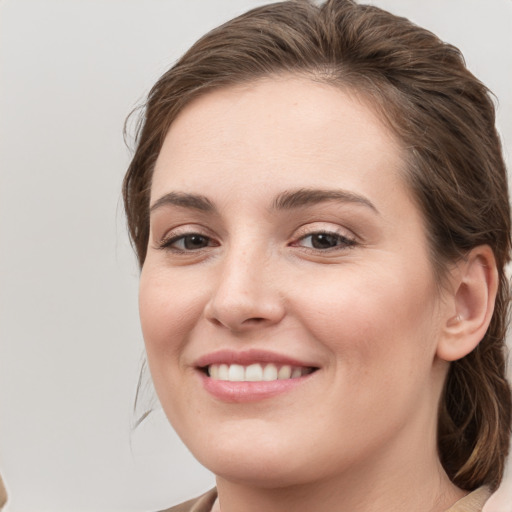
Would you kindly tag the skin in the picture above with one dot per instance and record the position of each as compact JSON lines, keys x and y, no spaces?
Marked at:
{"x":368,"y":312}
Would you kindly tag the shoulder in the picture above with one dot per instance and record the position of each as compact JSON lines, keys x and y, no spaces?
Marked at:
{"x":202,"y":504}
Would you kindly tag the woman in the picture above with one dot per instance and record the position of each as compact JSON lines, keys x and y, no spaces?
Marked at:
{"x":319,"y":205}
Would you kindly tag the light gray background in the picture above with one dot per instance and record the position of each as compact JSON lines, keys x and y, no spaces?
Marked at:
{"x":71,"y":70}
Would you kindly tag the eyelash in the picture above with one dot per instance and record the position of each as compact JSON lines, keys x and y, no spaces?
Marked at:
{"x":343,"y":242}
{"x":167,"y":243}
{"x":340,"y":242}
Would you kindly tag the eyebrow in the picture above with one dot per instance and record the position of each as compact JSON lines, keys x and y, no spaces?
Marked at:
{"x":291,"y":199}
{"x":287,"y":200}
{"x":193,"y":201}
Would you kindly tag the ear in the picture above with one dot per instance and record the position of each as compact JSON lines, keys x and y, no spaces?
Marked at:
{"x":474,"y":283}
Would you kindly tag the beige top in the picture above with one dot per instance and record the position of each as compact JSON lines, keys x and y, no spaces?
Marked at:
{"x":473,"y":502}
{"x":3,"y":493}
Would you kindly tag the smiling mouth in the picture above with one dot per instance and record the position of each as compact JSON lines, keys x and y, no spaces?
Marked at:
{"x":255,"y":372}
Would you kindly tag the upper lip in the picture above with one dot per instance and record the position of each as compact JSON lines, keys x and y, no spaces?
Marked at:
{"x":246,"y":357}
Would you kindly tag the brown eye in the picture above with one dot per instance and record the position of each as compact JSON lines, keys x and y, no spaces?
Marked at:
{"x":189,"y":242}
{"x":325,"y":241}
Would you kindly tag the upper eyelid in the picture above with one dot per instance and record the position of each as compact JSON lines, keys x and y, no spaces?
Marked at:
{"x":324,"y":227}
{"x":186,"y":229}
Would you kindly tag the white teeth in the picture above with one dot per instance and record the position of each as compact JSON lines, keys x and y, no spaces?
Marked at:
{"x":255,"y":372}
{"x":285,"y":372}
{"x":236,"y":373}
{"x":223,"y":371}
{"x":270,"y":372}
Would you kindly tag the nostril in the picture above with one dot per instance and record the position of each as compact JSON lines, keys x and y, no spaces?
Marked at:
{"x":234,"y":325}
{"x":256,"y":320}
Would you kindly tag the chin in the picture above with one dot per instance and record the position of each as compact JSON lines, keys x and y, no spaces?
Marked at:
{"x":249,"y":456}
{"x":258,"y":461}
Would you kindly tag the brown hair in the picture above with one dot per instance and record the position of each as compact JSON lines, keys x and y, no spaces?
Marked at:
{"x":445,"y":119}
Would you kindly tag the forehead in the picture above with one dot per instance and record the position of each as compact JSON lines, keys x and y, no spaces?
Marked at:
{"x":277,"y":130}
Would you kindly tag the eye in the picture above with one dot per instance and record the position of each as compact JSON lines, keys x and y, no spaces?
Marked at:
{"x":324,"y":240}
{"x":188,"y":242}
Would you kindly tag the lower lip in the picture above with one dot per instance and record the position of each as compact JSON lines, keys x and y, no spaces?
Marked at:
{"x":238,"y":392}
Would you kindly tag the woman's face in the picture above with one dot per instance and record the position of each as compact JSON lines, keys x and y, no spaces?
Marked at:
{"x":288,"y":306}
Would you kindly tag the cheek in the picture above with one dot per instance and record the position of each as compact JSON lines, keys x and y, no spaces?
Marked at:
{"x":374,"y":319}
{"x":169,"y":307}
{"x":382,"y":342}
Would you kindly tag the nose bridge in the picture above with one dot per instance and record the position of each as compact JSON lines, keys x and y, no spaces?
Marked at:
{"x":245,"y":294}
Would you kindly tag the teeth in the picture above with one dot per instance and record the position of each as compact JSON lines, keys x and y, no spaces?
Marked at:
{"x":270,"y":372}
{"x":296,"y":372}
{"x":285,"y":372}
{"x":223,"y":372}
{"x":255,"y":372}
{"x":214,"y":371}
{"x":236,"y":373}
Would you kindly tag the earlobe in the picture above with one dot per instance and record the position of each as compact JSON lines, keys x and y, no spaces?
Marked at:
{"x":474,"y":284}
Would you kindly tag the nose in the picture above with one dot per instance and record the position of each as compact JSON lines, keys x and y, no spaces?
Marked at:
{"x":246,"y":295}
